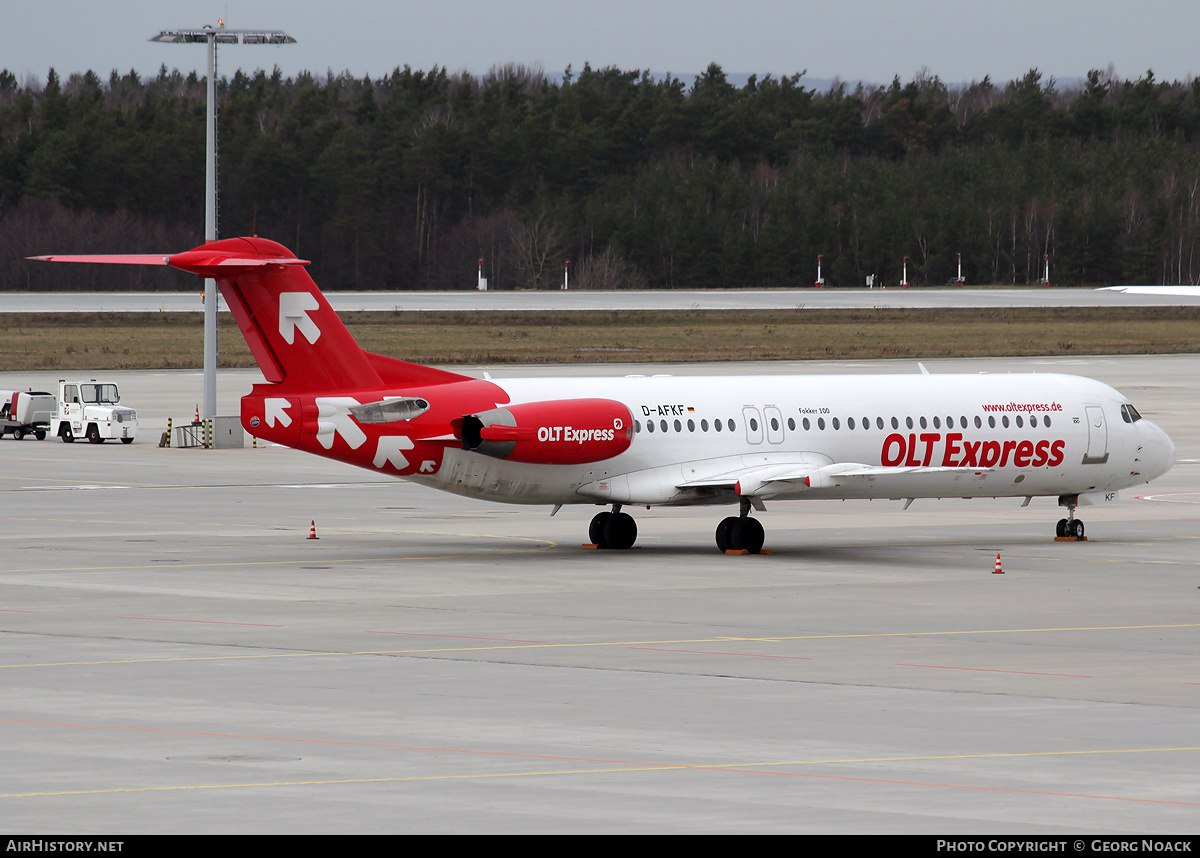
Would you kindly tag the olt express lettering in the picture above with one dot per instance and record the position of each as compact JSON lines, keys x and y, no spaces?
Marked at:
{"x":953,"y":451}
{"x":573,"y":435}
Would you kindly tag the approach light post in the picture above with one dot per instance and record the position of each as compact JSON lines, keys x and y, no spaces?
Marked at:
{"x":213,"y":36}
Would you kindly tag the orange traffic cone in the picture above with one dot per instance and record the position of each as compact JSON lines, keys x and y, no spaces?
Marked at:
{"x":197,"y":420}
{"x":997,"y":570}
{"x":312,"y":530}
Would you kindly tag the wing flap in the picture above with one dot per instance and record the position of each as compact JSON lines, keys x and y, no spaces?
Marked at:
{"x":800,"y":477}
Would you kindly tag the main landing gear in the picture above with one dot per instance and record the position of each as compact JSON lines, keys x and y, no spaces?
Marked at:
{"x":741,"y":532}
{"x":1069,"y":527}
{"x":614,"y":529}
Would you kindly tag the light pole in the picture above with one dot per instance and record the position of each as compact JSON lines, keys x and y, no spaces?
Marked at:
{"x":213,"y":36}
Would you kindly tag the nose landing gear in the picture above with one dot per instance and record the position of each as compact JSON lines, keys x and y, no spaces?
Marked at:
{"x":1069,"y":528}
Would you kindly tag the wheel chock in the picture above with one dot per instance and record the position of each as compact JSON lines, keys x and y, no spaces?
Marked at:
{"x":1070,"y":539}
{"x":589,"y":545}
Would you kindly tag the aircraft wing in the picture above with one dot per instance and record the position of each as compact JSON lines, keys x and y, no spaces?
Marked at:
{"x":810,"y":474}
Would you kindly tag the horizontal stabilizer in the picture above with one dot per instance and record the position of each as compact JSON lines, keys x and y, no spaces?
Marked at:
{"x":203,"y":261}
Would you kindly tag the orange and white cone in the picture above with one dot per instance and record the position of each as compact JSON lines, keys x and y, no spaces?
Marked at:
{"x":312,"y":530}
{"x":997,"y":570}
{"x":197,"y":420}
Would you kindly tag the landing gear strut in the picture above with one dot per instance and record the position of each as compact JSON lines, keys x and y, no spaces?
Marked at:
{"x":1069,"y":527}
{"x":614,"y":529}
{"x":741,"y":532}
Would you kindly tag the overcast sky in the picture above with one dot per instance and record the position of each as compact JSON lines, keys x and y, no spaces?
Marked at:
{"x":872,"y":40}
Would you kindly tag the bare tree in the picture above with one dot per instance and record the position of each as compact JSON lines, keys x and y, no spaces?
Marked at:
{"x":608,"y":269}
{"x":537,"y":249}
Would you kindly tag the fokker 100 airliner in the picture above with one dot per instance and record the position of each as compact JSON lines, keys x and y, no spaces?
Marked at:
{"x":664,"y":441}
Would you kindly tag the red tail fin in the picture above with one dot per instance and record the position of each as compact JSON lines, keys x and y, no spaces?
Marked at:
{"x":296,"y":337}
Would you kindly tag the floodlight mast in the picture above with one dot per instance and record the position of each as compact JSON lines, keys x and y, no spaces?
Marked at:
{"x":213,"y":36}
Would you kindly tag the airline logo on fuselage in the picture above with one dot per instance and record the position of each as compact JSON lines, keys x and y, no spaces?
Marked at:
{"x":575,"y":435}
{"x":921,"y":450}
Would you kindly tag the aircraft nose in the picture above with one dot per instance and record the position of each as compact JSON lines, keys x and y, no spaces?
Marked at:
{"x":1160,"y":451}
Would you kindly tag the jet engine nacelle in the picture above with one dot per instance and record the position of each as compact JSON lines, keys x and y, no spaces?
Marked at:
{"x":559,"y":432}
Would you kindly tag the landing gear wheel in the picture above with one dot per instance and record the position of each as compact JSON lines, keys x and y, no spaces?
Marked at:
{"x":748,"y":535}
{"x":66,"y":434}
{"x":1061,"y":528}
{"x":620,"y":531}
{"x":93,"y":435}
{"x":1076,"y":529}
{"x":596,"y":529}
{"x":725,"y":533}
{"x":126,"y":440}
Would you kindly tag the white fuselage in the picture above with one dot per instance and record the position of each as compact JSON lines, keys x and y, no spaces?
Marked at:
{"x":918,"y":436}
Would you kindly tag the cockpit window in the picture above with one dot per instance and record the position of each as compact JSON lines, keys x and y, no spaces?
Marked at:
{"x":1130,"y":414}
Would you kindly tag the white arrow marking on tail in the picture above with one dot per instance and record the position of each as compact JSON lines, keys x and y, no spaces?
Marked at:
{"x":389,"y":451}
{"x":293,"y":315}
{"x":427,"y":466}
{"x":333,"y":418}
{"x":276,"y":409}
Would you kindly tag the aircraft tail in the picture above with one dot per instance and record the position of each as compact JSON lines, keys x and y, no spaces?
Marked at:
{"x":293,"y":332}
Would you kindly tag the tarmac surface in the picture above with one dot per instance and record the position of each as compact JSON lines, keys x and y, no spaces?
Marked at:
{"x":667,"y":299}
{"x":176,"y":656}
